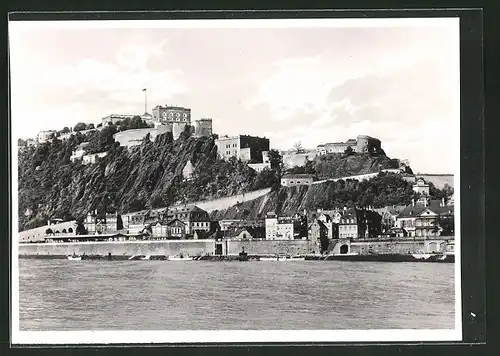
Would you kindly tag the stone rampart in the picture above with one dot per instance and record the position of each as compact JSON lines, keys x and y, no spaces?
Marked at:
{"x":224,"y":203}
{"x":132,"y":137}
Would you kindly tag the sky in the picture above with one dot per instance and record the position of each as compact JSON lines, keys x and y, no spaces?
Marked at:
{"x":399,"y":83}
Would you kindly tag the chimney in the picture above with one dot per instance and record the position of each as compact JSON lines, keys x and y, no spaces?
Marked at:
{"x":345,"y":208}
{"x":442,"y":202}
{"x":425,"y":202}
{"x":413,"y":202}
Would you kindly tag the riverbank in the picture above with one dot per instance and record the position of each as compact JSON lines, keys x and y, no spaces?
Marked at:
{"x":249,"y":258}
{"x":228,"y":250}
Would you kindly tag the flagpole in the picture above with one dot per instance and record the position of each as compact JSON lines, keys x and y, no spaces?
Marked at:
{"x":145,"y":100}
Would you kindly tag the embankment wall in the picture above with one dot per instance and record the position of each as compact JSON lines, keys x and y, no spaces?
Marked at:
{"x":231,"y":247}
{"x":129,"y":248}
{"x":263,"y":247}
{"x":399,"y":246}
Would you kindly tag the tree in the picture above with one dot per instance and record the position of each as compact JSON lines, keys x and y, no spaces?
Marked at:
{"x":99,"y":125}
{"x":80,"y":127}
{"x":298,"y":147}
{"x":101,"y":141}
{"x":447,"y":224}
{"x":90,"y":126}
{"x":276,"y":161}
{"x":324,"y":242}
{"x":348,"y":151}
{"x":80,"y":228}
{"x":65,"y":130}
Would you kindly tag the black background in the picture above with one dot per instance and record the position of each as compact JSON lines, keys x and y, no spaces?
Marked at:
{"x":478,"y":140}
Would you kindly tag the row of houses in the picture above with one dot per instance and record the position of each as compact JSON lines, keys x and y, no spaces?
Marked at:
{"x":422,"y":218}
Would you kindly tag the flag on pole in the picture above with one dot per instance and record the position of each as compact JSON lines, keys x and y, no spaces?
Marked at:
{"x":144,"y":89}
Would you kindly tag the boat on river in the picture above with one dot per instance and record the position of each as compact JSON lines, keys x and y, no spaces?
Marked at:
{"x":422,"y":256}
{"x":180,"y":258}
{"x":283,"y":258}
{"x":74,"y":258}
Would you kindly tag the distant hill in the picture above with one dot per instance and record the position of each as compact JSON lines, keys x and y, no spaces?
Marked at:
{"x":439,"y":180}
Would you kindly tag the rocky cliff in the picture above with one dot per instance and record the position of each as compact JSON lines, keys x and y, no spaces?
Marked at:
{"x":149,"y":175}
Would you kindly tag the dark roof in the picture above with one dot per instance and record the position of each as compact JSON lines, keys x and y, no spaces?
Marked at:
{"x":320,"y":223}
{"x":171,"y":222}
{"x":258,"y":231}
{"x":328,"y":217}
{"x":235,"y":232}
{"x":351,"y":213}
{"x":433,"y":205}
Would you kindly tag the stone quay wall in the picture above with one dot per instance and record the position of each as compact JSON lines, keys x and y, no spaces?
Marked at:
{"x":129,"y":248}
{"x":265,"y":247}
{"x":229,"y":247}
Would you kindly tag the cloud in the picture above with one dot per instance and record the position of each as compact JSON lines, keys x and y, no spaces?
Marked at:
{"x":135,"y":57}
{"x":113,"y":85}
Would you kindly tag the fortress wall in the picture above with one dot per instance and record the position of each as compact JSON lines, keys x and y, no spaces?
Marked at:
{"x":177,"y":129}
{"x":132,"y":137}
{"x":129,"y":248}
{"x":224,"y":203}
{"x":359,"y":177}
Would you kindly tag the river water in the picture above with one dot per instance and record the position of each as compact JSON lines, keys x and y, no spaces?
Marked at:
{"x":162,"y":295}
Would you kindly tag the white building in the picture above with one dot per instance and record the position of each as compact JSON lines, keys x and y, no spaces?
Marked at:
{"x":421,"y":187}
{"x":79,"y":152}
{"x":278,"y":228}
{"x":44,"y":136}
{"x":296,"y":179}
{"x":187,"y":172}
{"x":259,"y":167}
{"x":92,"y":158}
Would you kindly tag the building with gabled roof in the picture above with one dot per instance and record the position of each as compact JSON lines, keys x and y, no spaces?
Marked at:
{"x":425,"y":217}
{"x":359,"y":223}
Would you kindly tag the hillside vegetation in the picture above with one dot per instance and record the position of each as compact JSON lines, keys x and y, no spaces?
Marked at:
{"x":148,"y":176}
{"x":384,"y":190}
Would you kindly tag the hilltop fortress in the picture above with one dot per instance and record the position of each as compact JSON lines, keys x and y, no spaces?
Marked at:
{"x":166,"y":118}
{"x":176,"y":119}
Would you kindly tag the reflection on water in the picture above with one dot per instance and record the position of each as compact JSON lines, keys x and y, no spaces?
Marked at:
{"x":161,"y":295}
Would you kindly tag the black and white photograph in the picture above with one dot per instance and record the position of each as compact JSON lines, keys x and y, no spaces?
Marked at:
{"x":236,"y":180}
